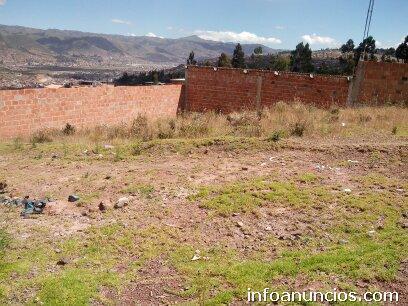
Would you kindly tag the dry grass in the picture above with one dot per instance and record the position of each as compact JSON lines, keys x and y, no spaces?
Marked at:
{"x":281,"y":121}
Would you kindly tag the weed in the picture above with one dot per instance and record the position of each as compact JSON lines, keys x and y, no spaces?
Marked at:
{"x":4,"y":241}
{"x":145,"y":190}
{"x":276,"y":136}
{"x":17,"y":143}
{"x":140,"y":128}
{"x":118,"y":155}
{"x":394,"y":130}
{"x":40,"y":136}
{"x":308,"y":177}
{"x":68,"y":130}
{"x":298,"y":129}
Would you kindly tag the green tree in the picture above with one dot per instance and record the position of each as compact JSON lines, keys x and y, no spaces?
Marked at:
{"x":402,"y":51}
{"x":155,"y":77}
{"x":238,"y":58}
{"x":301,"y":58}
{"x":258,"y":50}
{"x":348,"y":46}
{"x":366,"y":48}
{"x":224,"y":61}
{"x":191,"y":60}
{"x":279,"y":63}
{"x":347,"y":64}
{"x":207,"y":63}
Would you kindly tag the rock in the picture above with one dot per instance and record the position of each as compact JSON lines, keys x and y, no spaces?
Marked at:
{"x":268,"y":228}
{"x":240,"y":224}
{"x":122,"y":202}
{"x":347,"y":190}
{"x":403,"y":224}
{"x":102,"y":206}
{"x":73,"y":198}
{"x":244,"y":168}
{"x":57,"y":251}
{"x":62,"y":262}
{"x":108,"y":177}
{"x":84,"y":213}
{"x":371,"y":233}
{"x":3,"y":186}
{"x":109,"y":147}
{"x":196,"y":256}
{"x":343,"y":241}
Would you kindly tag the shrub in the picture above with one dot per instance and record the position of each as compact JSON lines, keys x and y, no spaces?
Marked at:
{"x":140,"y":128}
{"x":17,"y":143}
{"x":276,"y":136}
{"x":40,"y":136}
{"x":362,"y":118}
{"x":68,"y":129}
{"x":298,"y":129}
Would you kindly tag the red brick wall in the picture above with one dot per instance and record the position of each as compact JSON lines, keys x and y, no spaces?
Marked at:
{"x":228,"y":90}
{"x":383,"y":82}
{"x":22,"y":112}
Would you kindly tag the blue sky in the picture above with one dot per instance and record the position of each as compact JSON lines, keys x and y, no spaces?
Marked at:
{"x":276,"y":23}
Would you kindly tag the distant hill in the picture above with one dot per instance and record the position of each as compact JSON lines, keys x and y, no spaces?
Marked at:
{"x":36,"y":47}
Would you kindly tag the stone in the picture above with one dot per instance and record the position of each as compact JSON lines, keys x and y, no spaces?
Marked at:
{"x":3,"y":186}
{"x":244,"y":168}
{"x":343,"y":241}
{"x":62,"y":262}
{"x":104,"y":206}
{"x":240,"y":224}
{"x":73,"y":198}
{"x":122,"y":202}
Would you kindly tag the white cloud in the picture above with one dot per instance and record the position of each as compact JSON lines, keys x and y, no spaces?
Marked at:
{"x":3,"y":2}
{"x":320,"y":40}
{"x":243,"y":37}
{"x":120,"y":21}
{"x":170,"y":28}
{"x":153,"y":35}
{"x":279,"y":27}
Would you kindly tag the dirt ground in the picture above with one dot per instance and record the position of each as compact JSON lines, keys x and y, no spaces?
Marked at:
{"x":301,"y":215}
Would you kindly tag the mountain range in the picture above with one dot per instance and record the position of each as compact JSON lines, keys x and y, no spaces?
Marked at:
{"x":63,"y":48}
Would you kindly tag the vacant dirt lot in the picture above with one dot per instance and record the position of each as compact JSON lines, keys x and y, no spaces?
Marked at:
{"x":206,"y":219}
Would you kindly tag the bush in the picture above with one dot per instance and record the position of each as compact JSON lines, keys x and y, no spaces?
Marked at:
{"x":298,"y":129}
{"x":68,"y":129}
{"x":140,"y":128}
{"x":276,"y":136}
{"x":40,"y":136}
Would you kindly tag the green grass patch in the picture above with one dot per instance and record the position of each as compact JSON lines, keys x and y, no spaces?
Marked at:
{"x":144,"y":190}
{"x":248,"y":196}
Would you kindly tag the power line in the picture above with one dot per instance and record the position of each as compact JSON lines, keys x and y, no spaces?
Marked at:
{"x":368,"y":24}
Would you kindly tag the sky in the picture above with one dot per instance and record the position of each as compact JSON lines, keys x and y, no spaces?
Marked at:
{"x":279,"y":24}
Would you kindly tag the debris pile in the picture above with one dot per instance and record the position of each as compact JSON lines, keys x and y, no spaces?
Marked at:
{"x":29,"y":206}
